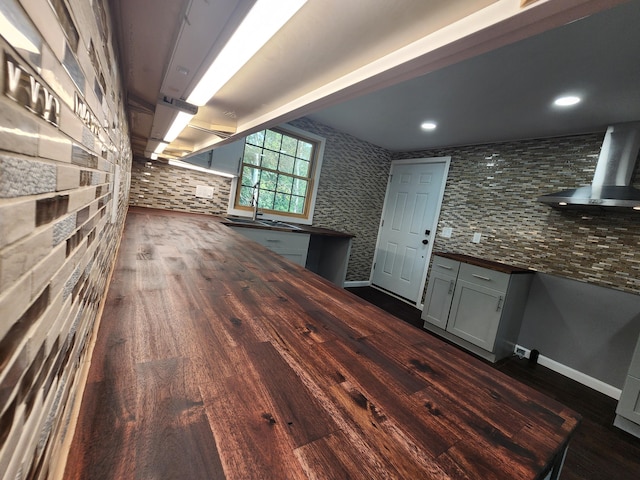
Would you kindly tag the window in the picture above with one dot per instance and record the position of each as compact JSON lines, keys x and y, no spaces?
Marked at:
{"x":279,"y":167}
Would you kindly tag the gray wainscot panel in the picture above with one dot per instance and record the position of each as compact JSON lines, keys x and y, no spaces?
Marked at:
{"x":586,"y":327}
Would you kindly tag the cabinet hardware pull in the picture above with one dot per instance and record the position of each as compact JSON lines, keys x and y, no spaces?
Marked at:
{"x":499,"y":304}
{"x":481,"y":277}
{"x":450,"y":287}
{"x":447,"y":267}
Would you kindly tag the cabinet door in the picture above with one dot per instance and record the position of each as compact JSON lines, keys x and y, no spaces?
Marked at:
{"x":438,"y":300}
{"x":629,"y":404}
{"x":291,"y":245}
{"x":227,"y":158}
{"x":475,"y":314}
{"x":222,"y":159}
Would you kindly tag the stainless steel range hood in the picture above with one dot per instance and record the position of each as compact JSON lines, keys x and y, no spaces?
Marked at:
{"x":611,"y":186}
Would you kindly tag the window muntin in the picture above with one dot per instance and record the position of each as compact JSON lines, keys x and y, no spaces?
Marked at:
{"x":281,"y":164}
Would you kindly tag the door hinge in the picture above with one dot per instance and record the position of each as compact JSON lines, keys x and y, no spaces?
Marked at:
{"x":374,"y":266}
{"x":382,"y":225}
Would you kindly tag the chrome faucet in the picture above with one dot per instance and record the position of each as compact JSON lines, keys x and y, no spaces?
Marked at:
{"x":254,"y":200}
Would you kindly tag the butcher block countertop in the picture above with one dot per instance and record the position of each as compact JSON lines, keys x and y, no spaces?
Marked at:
{"x":244,"y":222}
{"x":217,"y":359}
{"x":480,"y":262}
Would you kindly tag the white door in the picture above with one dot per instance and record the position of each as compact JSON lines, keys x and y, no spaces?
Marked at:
{"x":409,"y":220}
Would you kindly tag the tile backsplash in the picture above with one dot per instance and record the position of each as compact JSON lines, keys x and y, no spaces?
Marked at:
{"x":351,"y":191}
{"x":156,"y":184}
{"x":64,"y":177}
{"x":492,"y":190}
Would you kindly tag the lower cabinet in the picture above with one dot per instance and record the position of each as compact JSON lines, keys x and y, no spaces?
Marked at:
{"x":291,"y":245}
{"x":442,"y":283}
{"x":476,"y":307}
{"x":628,"y":410}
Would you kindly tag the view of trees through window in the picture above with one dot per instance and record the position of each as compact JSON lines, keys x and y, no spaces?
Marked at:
{"x":277,"y":166}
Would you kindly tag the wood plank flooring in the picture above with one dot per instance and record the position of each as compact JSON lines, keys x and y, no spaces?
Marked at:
{"x":598,"y":451}
{"x":217,"y":359}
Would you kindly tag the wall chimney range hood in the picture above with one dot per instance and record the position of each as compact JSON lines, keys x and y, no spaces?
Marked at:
{"x":611,"y":186}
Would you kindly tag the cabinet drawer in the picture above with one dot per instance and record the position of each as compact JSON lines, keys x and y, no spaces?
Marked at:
{"x":445,"y":265}
{"x":293,"y":246}
{"x":276,"y":240}
{"x":484,"y":277}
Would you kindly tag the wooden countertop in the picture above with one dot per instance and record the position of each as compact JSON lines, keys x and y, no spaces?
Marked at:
{"x":481,"y":262}
{"x":217,"y":359}
{"x":282,"y":227}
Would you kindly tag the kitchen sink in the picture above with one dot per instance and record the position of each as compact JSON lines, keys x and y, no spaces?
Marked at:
{"x":241,"y":220}
{"x":262,"y":222}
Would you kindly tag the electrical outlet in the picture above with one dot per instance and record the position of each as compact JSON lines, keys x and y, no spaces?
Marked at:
{"x":522,"y":352}
{"x":204,"y":191}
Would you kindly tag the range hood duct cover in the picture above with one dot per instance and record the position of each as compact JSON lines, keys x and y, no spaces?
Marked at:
{"x":611,"y":185}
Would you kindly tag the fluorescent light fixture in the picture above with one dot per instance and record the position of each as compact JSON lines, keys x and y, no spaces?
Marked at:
{"x":160,"y":148}
{"x":428,"y":126}
{"x":566,"y":101}
{"x":179,"y":124}
{"x":562,"y":203}
{"x":636,"y":207}
{"x":261,"y":23}
{"x":154,"y":156}
{"x":181,"y":164}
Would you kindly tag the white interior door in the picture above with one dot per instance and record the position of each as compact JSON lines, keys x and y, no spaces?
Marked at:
{"x":409,"y":221}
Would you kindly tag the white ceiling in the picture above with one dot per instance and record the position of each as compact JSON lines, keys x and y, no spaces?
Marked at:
{"x":329,"y":59}
{"x":507,"y":94}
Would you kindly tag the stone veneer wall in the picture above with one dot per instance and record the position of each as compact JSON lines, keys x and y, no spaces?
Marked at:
{"x":351,"y":190}
{"x":492,"y":189}
{"x":63,"y":199}
{"x":157,"y":184}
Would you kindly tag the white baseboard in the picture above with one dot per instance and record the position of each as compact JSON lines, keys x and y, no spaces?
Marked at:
{"x":584,"y":379}
{"x":357,"y":283}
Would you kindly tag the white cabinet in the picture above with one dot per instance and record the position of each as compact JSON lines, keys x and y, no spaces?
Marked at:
{"x":440,"y":288}
{"x":224,"y":159}
{"x":291,"y":245}
{"x":478,"y":308}
{"x":628,"y":410}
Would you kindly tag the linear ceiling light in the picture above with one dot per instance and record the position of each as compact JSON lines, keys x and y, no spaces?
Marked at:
{"x":262,"y":22}
{"x":181,"y":164}
{"x":179,"y":124}
{"x":160,"y":148}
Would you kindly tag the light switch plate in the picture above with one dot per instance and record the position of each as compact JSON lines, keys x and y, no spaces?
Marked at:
{"x":446,"y":232}
{"x":476,"y":237}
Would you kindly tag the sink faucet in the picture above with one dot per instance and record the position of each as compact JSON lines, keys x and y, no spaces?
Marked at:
{"x":254,"y":200}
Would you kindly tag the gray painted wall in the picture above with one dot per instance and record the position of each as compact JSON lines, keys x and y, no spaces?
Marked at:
{"x":587,"y":327}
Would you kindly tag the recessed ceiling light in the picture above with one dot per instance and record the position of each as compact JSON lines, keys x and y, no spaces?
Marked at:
{"x":428,"y":126}
{"x":566,"y":101}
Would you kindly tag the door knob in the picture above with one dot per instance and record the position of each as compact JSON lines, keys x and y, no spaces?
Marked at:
{"x":425,"y":241}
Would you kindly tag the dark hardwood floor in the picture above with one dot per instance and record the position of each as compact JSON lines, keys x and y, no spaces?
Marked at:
{"x":598,"y":451}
